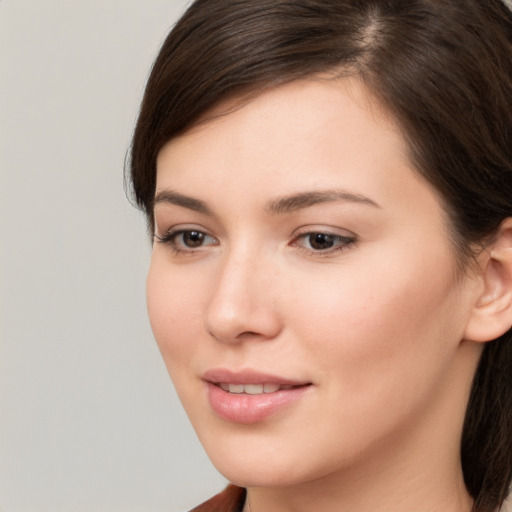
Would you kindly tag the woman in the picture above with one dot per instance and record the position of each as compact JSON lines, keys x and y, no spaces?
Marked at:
{"x":328,"y":184}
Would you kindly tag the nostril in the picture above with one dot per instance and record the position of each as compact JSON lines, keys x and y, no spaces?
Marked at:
{"x":225,"y":336}
{"x":248,"y":333}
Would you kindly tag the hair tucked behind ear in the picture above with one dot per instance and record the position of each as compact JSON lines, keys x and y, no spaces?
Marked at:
{"x":443,"y":68}
{"x":486,"y":444}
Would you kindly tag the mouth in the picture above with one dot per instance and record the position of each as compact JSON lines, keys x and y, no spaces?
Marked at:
{"x":248,"y":396}
{"x":250,"y":382}
{"x":256,"y":389}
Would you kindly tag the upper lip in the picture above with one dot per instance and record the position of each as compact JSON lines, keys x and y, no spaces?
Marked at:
{"x":248,"y":376}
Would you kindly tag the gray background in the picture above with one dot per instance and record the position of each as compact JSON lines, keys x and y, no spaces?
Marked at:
{"x":88,"y":417}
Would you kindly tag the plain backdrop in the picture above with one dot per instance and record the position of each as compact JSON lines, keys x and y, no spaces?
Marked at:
{"x":89,"y":421}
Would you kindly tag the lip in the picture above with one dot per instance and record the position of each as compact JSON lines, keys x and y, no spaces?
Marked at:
{"x":245,"y":408}
{"x":248,"y":376}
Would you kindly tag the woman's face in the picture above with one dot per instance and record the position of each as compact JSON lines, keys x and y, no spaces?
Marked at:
{"x":303,"y":290}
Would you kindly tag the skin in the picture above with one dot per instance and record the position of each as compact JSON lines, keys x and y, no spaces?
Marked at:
{"x":379,"y":325}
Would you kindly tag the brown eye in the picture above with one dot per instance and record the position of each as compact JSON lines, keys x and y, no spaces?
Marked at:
{"x":193,"y":239}
{"x":186,"y":240}
{"x":322,"y":241}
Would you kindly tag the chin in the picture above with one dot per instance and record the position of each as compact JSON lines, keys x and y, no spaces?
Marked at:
{"x":256,"y":461}
{"x":267,"y":475}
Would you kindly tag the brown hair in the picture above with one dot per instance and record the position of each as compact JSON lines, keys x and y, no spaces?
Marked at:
{"x":442,"y":68}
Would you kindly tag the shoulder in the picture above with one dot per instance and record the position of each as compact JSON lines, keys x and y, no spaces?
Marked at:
{"x":230,"y":500}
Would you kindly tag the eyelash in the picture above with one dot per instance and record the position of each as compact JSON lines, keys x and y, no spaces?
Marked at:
{"x":169,"y":239}
{"x":341,"y":242}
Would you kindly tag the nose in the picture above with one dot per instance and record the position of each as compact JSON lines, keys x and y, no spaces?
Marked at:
{"x":244,"y":304}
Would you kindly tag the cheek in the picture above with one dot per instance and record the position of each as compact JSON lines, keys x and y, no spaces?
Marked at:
{"x":384,"y":349}
{"x":173,"y":306}
{"x":401,"y":323}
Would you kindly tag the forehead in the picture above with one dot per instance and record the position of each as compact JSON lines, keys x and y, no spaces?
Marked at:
{"x":297,"y":128}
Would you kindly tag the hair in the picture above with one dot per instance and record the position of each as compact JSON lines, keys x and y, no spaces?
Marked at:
{"x":443,"y":69}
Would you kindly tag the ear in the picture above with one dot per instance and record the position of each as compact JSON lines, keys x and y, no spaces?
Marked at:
{"x":492,"y":311}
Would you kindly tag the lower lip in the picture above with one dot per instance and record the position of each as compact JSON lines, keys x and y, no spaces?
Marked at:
{"x":245,"y":408}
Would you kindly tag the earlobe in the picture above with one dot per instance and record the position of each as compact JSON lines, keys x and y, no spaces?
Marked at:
{"x":491,"y":315}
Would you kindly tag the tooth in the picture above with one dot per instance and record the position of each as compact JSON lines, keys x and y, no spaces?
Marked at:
{"x":236,"y":388}
{"x":254,"y":389}
{"x":270,"y":388}
{"x":224,"y":386}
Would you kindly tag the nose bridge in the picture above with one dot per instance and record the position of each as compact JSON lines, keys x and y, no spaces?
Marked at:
{"x":242,"y":301}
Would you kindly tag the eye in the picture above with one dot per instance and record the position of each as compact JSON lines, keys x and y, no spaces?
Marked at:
{"x":186,"y":240}
{"x":323,"y":242}
{"x":191,"y":239}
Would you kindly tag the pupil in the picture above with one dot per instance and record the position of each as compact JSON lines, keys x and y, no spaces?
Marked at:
{"x":321,"y":241}
{"x":193,"y":238}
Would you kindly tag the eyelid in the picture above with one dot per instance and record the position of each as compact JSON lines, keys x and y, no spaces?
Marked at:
{"x":169,"y":228}
{"x":319,"y":228}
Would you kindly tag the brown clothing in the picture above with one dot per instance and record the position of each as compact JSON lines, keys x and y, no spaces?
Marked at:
{"x":232,"y":499}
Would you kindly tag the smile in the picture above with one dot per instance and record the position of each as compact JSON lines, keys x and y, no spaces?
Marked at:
{"x":253,"y":389}
{"x":250,"y":396}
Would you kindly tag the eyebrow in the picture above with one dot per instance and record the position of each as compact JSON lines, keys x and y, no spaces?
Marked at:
{"x":303,"y":200}
{"x":171,"y":197}
{"x":281,"y":205}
